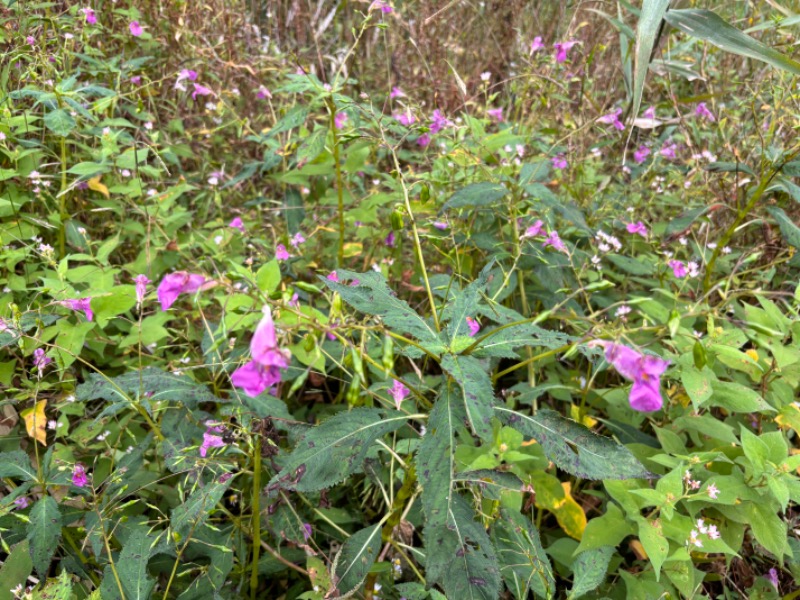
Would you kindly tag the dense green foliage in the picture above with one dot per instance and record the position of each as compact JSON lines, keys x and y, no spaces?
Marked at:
{"x":270,"y":330}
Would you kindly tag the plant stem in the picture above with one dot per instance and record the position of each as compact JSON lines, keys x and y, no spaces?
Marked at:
{"x":339,"y":186}
{"x":256,"y":509}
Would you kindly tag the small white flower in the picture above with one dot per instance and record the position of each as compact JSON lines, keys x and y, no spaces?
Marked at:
{"x":623,"y":310}
{"x":486,"y":75}
{"x":218,"y":240}
{"x":726,"y":250}
{"x":125,"y":173}
{"x":70,"y":398}
{"x":687,"y":184}
{"x":213,"y":181}
{"x":106,"y":131}
{"x":52,"y":424}
{"x":68,"y":36}
{"x":152,"y":192}
{"x":148,"y":126}
{"x":712,"y":245}
{"x":683,"y":241}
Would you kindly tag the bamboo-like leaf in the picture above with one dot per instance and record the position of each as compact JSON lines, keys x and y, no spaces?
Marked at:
{"x":573,"y":447}
{"x":710,"y":27}
{"x":44,"y":531}
{"x":476,"y":391}
{"x":647,"y":31}
{"x":355,"y":559}
{"x":524,"y":564}
{"x":334,"y":450}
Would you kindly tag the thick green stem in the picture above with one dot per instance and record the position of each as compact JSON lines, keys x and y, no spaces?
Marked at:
{"x":339,"y":185}
{"x":256,"y":509}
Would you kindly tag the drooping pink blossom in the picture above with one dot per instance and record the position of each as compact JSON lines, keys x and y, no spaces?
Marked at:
{"x":297,"y":239}
{"x":264,"y":370}
{"x":390,"y":240}
{"x":83,"y":304}
{"x":189,"y":74}
{"x":440,"y":225}
{"x":263,"y":93}
{"x":201,"y":90}
{"x":644,"y":370}
{"x":554,"y":240}
{"x":136,"y":79}
{"x":405,"y":118}
{"x":141,"y":287}
{"x":438,"y":121}
{"x":772,"y":577}
{"x":397,"y":93}
{"x":637,"y":227}
{"x":41,"y":360}
{"x":559,"y":161}
{"x":237,"y":223}
{"x":534,"y":229}
{"x":381,"y":5}
{"x":613,"y":118}
{"x":91,"y":18}
{"x":562,"y":48}
{"x":641,"y":154}
{"x":701,"y":110}
{"x":79,"y":478}
{"x":474,"y":326}
{"x":398,"y":392}
{"x":423,"y":140}
{"x":678,"y":268}
{"x":211,"y":439}
{"x":135,"y":29}
{"x":650,"y":113}
{"x":537,"y":44}
{"x":175,"y":284}
{"x":340,"y":120}
{"x":281,"y":253}
{"x":332,"y":276}
{"x":496,"y":114}
{"x":22,"y":502}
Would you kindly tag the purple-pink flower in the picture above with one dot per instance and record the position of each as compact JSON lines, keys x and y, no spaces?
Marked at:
{"x":405,"y":118}
{"x":332,"y":276}
{"x":175,"y":284}
{"x":423,"y":140}
{"x":562,"y":48}
{"x":136,"y":79}
{"x":381,"y":5}
{"x":189,"y":74}
{"x":438,"y":121}
{"x":211,"y":439}
{"x":474,"y":326}
{"x":281,"y":253}
{"x":678,"y":268}
{"x":554,"y":240}
{"x":701,"y":110}
{"x":200,"y":90}
{"x":297,"y":239}
{"x":496,"y":114}
{"x":83,"y":304}
{"x":264,"y":370}
{"x":263,"y":93}
{"x":237,"y":223}
{"x":650,"y":113}
{"x":537,"y":44}
{"x":390,"y":240}
{"x":398,"y":392}
{"x":637,"y":227}
{"x":22,"y":502}
{"x":772,"y":577}
{"x":440,"y":225}
{"x":534,"y":229}
{"x":669,"y":150}
{"x":339,"y":120}
{"x":41,"y":360}
{"x":644,"y":370}
{"x":397,"y":93}
{"x":641,"y":154}
{"x":141,"y":287}
{"x":31,"y":41}
{"x":79,"y":478}
{"x":135,"y":29}
{"x":613,"y":119}
{"x":559,"y":161}
{"x":91,"y":18}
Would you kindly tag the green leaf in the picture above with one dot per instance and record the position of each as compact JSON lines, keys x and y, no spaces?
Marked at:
{"x":132,"y":158}
{"x":373,"y":296}
{"x":59,"y":588}
{"x":197,"y":508}
{"x":44,"y":531}
{"x":523,"y":562}
{"x":768,"y":528}
{"x":15,"y":570}
{"x":710,"y":27}
{"x":590,"y":570}
{"x":121,"y":299}
{"x":484,"y":193}
{"x":790,"y":231}
{"x":158,"y":384}
{"x":334,"y":449}
{"x":755,"y":450}
{"x":268,"y":277}
{"x":503,"y":342}
{"x":355,"y":559}
{"x":295,"y":117}
{"x":736,"y":398}
{"x":654,"y":543}
{"x":132,"y":565}
{"x":312,"y":146}
{"x":697,"y":384}
{"x":608,"y":529}
{"x":647,"y":31}
{"x":476,"y":391}
{"x":16,"y":464}
{"x":573,"y":447}
{"x":465,"y":304}
{"x":60,"y":122}
{"x":685,"y":220}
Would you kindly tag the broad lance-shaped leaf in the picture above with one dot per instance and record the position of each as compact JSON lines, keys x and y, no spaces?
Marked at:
{"x":647,"y":32}
{"x":590,"y":570}
{"x":573,"y":447}
{"x":712,"y":28}
{"x":503,"y":343}
{"x":476,"y":391}
{"x":334,"y":449}
{"x":197,"y":508}
{"x":158,"y":384}
{"x":17,"y":465}
{"x":355,"y":559}
{"x":524,"y":564}
{"x":474,"y":195}
{"x":373,"y":296}
{"x":132,"y":565}
{"x":465,"y":304}
{"x":44,"y":531}
{"x":790,"y":231}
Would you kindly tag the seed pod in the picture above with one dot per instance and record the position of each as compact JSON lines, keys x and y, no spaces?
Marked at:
{"x":699,"y":355}
{"x":388,"y":353}
{"x":397,"y":220}
{"x":424,"y":194}
{"x":354,"y":391}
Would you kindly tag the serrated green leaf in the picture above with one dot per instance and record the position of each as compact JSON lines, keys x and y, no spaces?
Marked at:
{"x":312,"y":146}
{"x":15,"y":570}
{"x":768,"y":528}
{"x":295,"y":117}
{"x":790,"y":231}
{"x":44,"y":532}
{"x":132,"y":565}
{"x":17,"y":465}
{"x":198,"y":507}
{"x":463,"y":304}
{"x":355,"y":559}
{"x":59,"y":588}
{"x":523,"y":562}
{"x":373,"y":296}
{"x":589,"y":570}
{"x":476,"y":391}
{"x":573,"y":447}
{"x":334,"y":449}
{"x":654,"y":543}
{"x":484,"y":193}
{"x":503,"y":343}
{"x":712,"y":28}
{"x":60,"y":122}
{"x":736,"y":397}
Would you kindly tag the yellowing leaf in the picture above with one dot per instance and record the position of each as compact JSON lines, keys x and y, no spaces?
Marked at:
{"x":789,"y":417}
{"x":94,"y":184}
{"x":36,"y":422}
{"x":638,"y":550}
{"x":570,"y":515}
{"x":575,"y":415}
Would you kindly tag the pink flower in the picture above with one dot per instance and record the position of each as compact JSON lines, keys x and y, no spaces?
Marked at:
{"x":772,"y":577}
{"x":41,"y":360}
{"x":80,"y":304}
{"x":397,"y":93}
{"x":644,"y":370}
{"x":390,"y":240}
{"x":200,"y":90}
{"x":339,"y":120}
{"x":135,"y":28}
{"x":405,"y":118}
{"x":713,"y":491}
{"x":641,"y":154}
{"x":555,"y":241}
{"x":91,"y":18}
{"x":559,"y":161}
{"x":136,"y":79}
{"x":141,"y":287}
{"x":613,"y":119}
{"x":79,"y":478}
{"x":22,"y":502}
{"x":678,"y":269}
{"x":438,"y":121}
{"x":187,"y":74}
{"x":263,"y":93}
{"x":650,"y":113}
{"x":175,"y":284}
{"x":637,"y":227}
{"x":398,"y":392}
{"x":496,"y":114}
{"x":474,"y":326}
{"x":237,"y":223}
{"x":561,"y":50}
{"x":211,"y":440}
{"x":537,"y":44}
{"x":381,"y":5}
{"x":297,"y":239}
{"x":332,"y":276}
{"x":264,"y":370}
{"x":423,"y":140}
{"x":307,"y":531}
{"x":701,"y":110}
{"x":281,"y":253}
{"x":713,"y":532}
{"x":669,"y":150}
{"x":534,"y":229}
{"x":440,"y":224}
{"x":31,"y":41}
